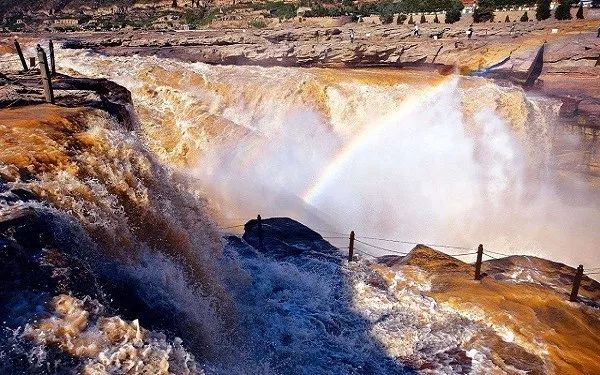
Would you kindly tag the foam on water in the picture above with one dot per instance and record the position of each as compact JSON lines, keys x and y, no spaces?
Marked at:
{"x":433,"y":159}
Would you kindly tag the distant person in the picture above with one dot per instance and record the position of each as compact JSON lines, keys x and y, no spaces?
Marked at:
{"x":470,"y":32}
{"x":416,"y":31}
{"x":351,"y":36}
{"x":317,"y":35}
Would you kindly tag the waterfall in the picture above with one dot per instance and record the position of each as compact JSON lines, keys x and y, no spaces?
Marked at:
{"x":400,"y":154}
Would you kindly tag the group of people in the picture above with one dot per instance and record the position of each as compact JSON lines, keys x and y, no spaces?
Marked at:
{"x":417,"y":32}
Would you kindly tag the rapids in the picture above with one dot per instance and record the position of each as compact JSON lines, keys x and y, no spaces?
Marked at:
{"x":399,"y":154}
{"x":407,"y":155}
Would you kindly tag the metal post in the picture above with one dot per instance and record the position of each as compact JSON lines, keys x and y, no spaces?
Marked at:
{"x":32,"y":62}
{"x":52,"y":61}
{"x":351,"y":247}
{"x":478,"y":264}
{"x":18,"y":47}
{"x":260,"y":233}
{"x":46,"y":80}
{"x":576,"y":283}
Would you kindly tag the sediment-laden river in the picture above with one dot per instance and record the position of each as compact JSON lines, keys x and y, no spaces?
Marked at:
{"x":400,"y":154}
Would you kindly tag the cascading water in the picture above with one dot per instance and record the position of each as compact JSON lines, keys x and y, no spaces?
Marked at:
{"x":405,"y":155}
{"x":397,"y":154}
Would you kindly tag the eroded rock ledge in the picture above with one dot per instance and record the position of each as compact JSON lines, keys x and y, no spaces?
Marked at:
{"x":19,"y":89}
{"x":571,"y":58}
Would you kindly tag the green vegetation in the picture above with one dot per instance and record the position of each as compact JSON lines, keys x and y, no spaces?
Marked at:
{"x":579,"y":14}
{"x":383,"y":8}
{"x":198,"y":16}
{"x":484,"y":11}
{"x":257,"y":24}
{"x":453,"y":15}
{"x":279,"y":9}
{"x":386,"y":18}
{"x":498,"y":4}
{"x":543,"y":10}
{"x":563,"y":10}
{"x":25,"y":11}
{"x":428,"y":6}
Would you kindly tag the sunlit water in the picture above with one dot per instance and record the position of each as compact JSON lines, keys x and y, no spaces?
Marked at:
{"x":400,"y":155}
{"x":404,"y":155}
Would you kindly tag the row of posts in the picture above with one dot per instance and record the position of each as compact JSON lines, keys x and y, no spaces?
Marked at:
{"x":46,"y":70}
{"x":478,"y":274}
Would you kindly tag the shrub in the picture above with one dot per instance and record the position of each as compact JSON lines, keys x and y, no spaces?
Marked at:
{"x":401,"y":19}
{"x":484,"y":11}
{"x":563,"y":10}
{"x":436,"y":19}
{"x":579,"y":14}
{"x":453,"y":15}
{"x":507,"y":19}
{"x":258,"y":24}
{"x":411,"y":21}
{"x":279,"y":9}
{"x":525,"y":17}
{"x":542,"y":11}
{"x":423,"y":19}
{"x":386,"y":18}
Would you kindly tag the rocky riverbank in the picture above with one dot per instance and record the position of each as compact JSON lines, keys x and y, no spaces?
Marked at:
{"x":502,"y":50}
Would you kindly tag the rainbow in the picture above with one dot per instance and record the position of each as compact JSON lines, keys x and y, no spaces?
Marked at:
{"x":341,"y":158}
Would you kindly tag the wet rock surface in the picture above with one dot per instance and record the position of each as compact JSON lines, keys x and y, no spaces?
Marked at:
{"x":425,"y":307}
{"x":502,"y":50}
{"x":24,"y":88}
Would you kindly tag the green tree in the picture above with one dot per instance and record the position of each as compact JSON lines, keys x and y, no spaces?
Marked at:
{"x":484,"y":11}
{"x":436,"y":19}
{"x":401,"y":19}
{"x":563,"y":10}
{"x":525,"y":17}
{"x":386,"y":18}
{"x":507,"y":19}
{"x":411,"y":21}
{"x":279,"y":9}
{"x":453,"y":15}
{"x":579,"y":14}
{"x":423,"y":19}
{"x":542,"y":11}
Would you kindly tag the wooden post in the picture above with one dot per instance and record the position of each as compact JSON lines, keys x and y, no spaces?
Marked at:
{"x":260,"y":232}
{"x":46,"y":80}
{"x":52,"y":61}
{"x":351,"y":247}
{"x":478,"y":263}
{"x":576,"y":283}
{"x":32,"y":62}
{"x":18,"y":47}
